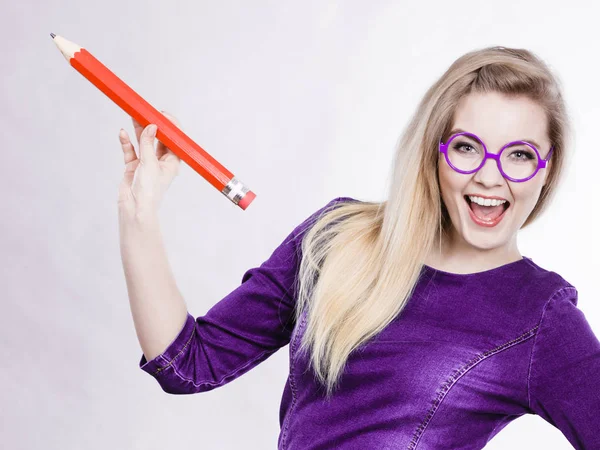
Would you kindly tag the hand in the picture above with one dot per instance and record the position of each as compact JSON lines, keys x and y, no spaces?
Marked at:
{"x":146,"y":178}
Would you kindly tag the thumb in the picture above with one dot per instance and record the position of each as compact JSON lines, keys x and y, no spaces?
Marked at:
{"x":147,"y":151}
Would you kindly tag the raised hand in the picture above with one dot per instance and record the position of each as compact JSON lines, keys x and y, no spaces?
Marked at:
{"x":148,"y":176}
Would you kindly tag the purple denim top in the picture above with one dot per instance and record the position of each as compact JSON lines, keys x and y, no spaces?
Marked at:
{"x":469,"y":354}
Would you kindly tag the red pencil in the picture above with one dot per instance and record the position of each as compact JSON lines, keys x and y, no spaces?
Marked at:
{"x":144,"y":113}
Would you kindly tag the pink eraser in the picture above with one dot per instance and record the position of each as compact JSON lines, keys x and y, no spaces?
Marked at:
{"x":247,"y":199}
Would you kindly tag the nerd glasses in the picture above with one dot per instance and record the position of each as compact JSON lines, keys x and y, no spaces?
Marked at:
{"x":517,"y":161}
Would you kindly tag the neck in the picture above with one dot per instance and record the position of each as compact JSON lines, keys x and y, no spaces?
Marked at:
{"x":465,"y":258}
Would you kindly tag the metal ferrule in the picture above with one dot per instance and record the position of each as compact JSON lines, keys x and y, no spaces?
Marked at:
{"x":235,"y":190}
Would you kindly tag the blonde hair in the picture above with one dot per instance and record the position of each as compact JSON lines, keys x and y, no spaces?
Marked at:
{"x":361,"y":260}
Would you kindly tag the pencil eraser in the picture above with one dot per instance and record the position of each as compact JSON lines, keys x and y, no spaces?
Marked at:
{"x":247,"y":199}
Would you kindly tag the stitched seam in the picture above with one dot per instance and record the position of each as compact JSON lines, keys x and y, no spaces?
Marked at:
{"x":456,"y":375}
{"x":294,"y":347}
{"x":535,"y":339}
{"x":169,"y":363}
{"x":530,"y":263}
{"x":205,"y":382}
{"x":220,"y":381}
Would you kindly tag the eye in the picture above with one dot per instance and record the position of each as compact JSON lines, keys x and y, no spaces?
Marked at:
{"x":463,"y":146}
{"x":523,"y":155}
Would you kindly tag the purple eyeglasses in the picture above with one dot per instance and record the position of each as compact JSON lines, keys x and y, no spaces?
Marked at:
{"x":468,"y":159}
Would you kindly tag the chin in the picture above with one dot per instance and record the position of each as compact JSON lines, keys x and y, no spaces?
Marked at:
{"x":481,"y":237}
{"x":484,"y":242}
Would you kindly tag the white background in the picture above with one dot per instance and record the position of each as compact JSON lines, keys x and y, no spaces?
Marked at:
{"x":303,"y":101}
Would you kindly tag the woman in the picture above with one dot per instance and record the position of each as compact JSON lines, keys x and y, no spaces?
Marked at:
{"x":413,"y":323}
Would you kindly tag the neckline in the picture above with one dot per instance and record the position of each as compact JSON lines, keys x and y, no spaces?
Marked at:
{"x":483,"y":272}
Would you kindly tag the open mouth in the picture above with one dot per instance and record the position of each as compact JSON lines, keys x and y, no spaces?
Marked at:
{"x":487,"y":214}
{"x":505,"y":205}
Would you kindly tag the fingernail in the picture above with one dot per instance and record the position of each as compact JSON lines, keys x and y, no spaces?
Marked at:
{"x":152,"y":130}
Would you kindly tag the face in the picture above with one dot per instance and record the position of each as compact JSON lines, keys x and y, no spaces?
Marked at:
{"x":497,"y":120}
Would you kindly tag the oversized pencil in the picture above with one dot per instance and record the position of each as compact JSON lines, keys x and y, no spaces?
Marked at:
{"x":144,"y":113}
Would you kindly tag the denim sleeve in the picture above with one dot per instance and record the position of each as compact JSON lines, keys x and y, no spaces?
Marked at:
{"x":564,"y":380}
{"x":240,"y":331}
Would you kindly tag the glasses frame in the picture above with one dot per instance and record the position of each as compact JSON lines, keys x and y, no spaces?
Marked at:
{"x":542,"y":163}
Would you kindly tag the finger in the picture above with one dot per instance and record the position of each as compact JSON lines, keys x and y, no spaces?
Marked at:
{"x":147,"y":151}
{"x":128,"y":149}
{"x":137,"y":128}
{"x":162,"y":149}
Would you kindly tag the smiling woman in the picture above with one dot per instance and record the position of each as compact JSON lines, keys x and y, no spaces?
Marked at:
{"x":510,"y":172}
{"x":416,"y":323}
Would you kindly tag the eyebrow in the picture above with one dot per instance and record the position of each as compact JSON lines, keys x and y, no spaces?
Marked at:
{"x":531,"y":141}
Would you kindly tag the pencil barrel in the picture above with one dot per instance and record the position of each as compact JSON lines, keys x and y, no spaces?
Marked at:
{"x":167,"y":132}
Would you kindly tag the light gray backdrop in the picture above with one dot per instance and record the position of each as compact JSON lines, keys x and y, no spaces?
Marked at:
{"x":303,"y":101}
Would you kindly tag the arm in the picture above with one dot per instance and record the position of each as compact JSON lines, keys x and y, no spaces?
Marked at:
{"x":157,"y":306}
{"x":240,"y":331}
{"x":564,"y":380}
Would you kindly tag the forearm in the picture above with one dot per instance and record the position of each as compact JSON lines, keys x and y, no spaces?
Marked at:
{"x":158,"y":308}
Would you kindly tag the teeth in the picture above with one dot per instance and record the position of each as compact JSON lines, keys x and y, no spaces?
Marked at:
{"x":486,"y":201}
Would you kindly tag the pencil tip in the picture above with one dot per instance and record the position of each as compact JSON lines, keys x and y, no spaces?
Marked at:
{"x":52,"y":34}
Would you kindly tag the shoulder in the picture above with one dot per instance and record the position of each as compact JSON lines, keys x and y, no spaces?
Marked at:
{"x":542,"y":285}
{"x":564,"y":341}
{"x":320,"y":212}
{"x":564,"y":370}
{"x":564,"y":336}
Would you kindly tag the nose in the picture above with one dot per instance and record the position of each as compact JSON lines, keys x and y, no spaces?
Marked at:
{"x":489,"y":174}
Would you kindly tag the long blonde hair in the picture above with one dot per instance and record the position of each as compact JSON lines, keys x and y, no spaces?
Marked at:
{"x":361,"y":260}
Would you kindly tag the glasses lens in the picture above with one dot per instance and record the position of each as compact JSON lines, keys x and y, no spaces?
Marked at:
{"x":465,"y":153}
{"x":519,"y":161}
